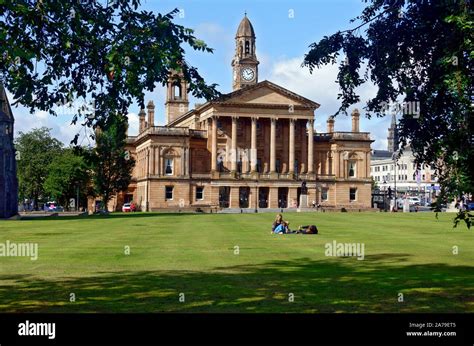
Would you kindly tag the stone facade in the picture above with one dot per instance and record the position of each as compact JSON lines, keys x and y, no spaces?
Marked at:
{"x":252,"y":148}
{"x":8,"y":179}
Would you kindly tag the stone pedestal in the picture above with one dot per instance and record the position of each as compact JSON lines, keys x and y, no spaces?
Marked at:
{"x":406,"y":205}
{"x":303,"y":201}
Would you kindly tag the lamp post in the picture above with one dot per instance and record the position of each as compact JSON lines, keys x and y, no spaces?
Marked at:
{"x":256,"y":196}
{"x":394,"y":158}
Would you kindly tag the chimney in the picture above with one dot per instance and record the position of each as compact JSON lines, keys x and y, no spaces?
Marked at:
{"x":355,"y":120}
{"x":151,"y":114}
{"x":330,"y":123}
{"x":141,"y":119}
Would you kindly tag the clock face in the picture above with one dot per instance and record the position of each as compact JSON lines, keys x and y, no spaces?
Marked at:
{"x":248,"y":74}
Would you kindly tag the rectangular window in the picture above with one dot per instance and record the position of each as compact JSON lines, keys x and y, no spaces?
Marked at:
{"x":199,"y":193}
{"x":169,"y":193}
{"x":324,"y":194}
{"x":169,"y":166}
{"x":352,"y":194}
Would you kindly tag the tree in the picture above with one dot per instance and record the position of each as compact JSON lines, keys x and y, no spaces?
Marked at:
{"x":421,"y":53}
{"x":111,"y":164}
{"x":67,"y":177}
{"x":35,"y":151}
{"x":102,"y":53}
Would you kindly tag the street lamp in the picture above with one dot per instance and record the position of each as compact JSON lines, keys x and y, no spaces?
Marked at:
{"x":256,"y":196}
{"x":394,"y":158}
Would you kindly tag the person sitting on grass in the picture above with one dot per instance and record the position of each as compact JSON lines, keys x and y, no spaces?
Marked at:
{"x":310,"y":229}
{"x":280,"y":226}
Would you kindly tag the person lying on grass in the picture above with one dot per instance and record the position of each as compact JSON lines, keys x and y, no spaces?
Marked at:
{"x":310,"y":229}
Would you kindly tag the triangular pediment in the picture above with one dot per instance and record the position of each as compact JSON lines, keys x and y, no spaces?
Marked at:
{"x":267,"y":93}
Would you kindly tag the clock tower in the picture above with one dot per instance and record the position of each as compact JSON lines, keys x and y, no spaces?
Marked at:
{"x":245,"y":63}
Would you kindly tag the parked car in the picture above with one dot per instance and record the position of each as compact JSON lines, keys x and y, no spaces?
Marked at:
{"x":52,"y":206}
{"x":470,"y":205}
{"x":127,"y":207}
{"x":414,"y":201}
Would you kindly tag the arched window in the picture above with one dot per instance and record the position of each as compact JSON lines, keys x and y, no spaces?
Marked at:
{"x":169,"y":166}
{"x":168,"y":162}
{"x":352,"y":169}
{"x":247,"y":47}
{"x":177,"y":92}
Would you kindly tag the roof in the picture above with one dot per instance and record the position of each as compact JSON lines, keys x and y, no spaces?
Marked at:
{"x":270,"y":85}
{"x":381,"y":154}
{"x":5,"y":109}
{"x":227,"y":99}
{"x":245,"y":28}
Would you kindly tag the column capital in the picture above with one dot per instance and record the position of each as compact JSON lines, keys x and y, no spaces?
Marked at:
{"x":235,"y":117}
{"x":293,"y":120}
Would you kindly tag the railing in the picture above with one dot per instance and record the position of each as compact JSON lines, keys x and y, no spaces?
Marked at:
{"x":172,"y":131}
{"x":351,"y":135}
{"x":201,"y":175}
{"x":270,"y":176}
{"x":198,"y":133}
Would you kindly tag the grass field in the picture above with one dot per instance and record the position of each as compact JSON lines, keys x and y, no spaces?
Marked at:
{"x":171,"y":254}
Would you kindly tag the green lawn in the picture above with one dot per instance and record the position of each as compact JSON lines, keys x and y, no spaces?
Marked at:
{"x":194,"y":254}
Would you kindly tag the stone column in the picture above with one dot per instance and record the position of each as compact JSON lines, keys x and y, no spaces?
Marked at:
{"x":152,"y":167}
{"x":234,"y":197}
{"x":233,"y":149}
{"x":272,"y":145}
{"x":273,"y":197}
{"x":291,"y":154}
{"x":253,"y":146}
{"x":310,"y":146}
{"x":292,"y":196}
{"x":214,"y":145}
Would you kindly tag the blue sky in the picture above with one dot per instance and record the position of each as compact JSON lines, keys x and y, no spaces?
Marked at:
{"x":284,"y":30}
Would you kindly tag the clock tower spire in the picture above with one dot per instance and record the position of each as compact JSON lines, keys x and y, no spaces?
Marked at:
{"x":245,"y":63}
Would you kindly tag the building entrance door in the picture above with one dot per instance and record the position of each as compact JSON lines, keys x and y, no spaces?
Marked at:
{"x":263,"y":197}
{"x":282,"y":197}
{"x":224,"y":196}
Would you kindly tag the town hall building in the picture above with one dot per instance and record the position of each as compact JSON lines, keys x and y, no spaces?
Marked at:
{"x":255,"y":147}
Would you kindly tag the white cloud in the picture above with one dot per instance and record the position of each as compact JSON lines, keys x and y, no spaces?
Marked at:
{"x":321,"y":87}
{"x":132,"y":124}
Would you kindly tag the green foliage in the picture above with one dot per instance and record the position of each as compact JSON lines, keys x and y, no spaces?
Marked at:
{"x":35,"y":151}
{"x":420,"y":52}
{"x":111,"y":164}
{"x":108,"y":53}
{"x":67,"y":175}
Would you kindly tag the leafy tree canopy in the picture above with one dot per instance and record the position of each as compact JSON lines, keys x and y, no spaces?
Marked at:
{"x":111,"y":165}
{"x":419,"y":51}
{"x":67,"y":177}
{"x":105,"y":52}
{"x":35,"y":152}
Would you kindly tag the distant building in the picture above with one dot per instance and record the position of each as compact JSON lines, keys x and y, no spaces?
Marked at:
{"x":251,"y":148}
{"x":8,"y":179}
{"x":404,"y":177}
